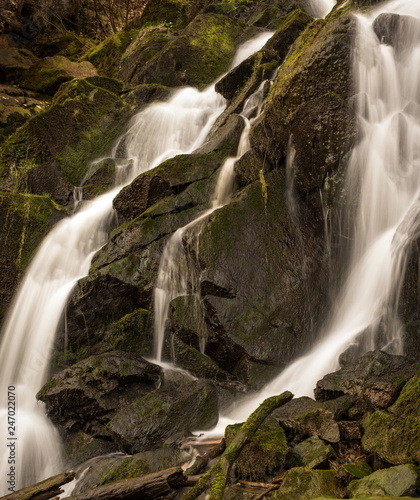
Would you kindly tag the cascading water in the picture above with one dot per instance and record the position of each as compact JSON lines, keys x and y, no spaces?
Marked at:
{"x":159,"y":132}
{"x":177,"y":275}
{"x":384,"y":176}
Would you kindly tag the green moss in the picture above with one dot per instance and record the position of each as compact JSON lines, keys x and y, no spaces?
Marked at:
{"x":169,"y":11}
{"x":43,"y":79}
{"x":106,"y":56}
{"x":133,"y":333}
{"x":128,"y":468}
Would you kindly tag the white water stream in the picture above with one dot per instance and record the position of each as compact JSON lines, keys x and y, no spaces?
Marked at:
{"x":159,"y":132}
{"x":384,"y":176}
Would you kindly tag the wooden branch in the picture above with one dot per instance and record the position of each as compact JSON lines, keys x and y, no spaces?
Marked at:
{"x":216,"y":478}
{"x":145,"y":487}
{"x":202,"y":461}
{"x":267,"y":491}
{"x":43,"y":490}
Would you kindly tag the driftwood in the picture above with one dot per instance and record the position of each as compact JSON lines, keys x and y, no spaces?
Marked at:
{"x":145,"y":487}
{"x":202,"y":461}
{"x":43,"y":490}
{"x":216,"y":478}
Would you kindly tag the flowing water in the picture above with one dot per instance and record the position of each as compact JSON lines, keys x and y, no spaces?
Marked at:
{"x":159,"y":132}
{"x":384,"y":176}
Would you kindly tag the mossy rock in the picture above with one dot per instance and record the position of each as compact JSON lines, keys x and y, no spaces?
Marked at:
{"x":234,"y":250}
{"x":133,"y":333}
{"x":309,"y":101}
{"x":312,"y":453}
{"x":99,"y":179}
{"x":358,"y":469}
{"x":13,"y":62}
{"x":24,"y":221}
{"x":106,"y":56}
{"x":46,"y":76}
{"x":395,"y":481}
{"x":172,"y":12}
{"x":264,"y":455}
{"x":147,"y":45}
{"x":304,"y":484}
{"x":110,"y":84}
{"x":394,"y":435}
{"x":198,"y":55}
{"x":78,"y":127}
{"x":145,"y":94}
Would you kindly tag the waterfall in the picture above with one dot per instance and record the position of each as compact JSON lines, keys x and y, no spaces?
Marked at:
{"x":384,"y":176}
{"x":157,"y":133}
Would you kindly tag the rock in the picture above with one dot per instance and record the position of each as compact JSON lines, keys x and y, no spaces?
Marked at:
{"x":279,"y":44}
{"x":234,"y":250}
{"x":350,"y":431}
{"x":264,"y":455}
{"x":394,"y":435}
{"x":357,"y":469}
{"x":340,"y":406}
{"x":24,"y":221}
{"x":311,"y":453}
{"x":115,"y":468}
{"x":197,"y":56}
{"x":308,"y":417}
{"x":145,"y":94}
{"x":395,"y":481}
{"x":94,"y":387}
{"x":110,"y":84}
{"x":48,"y":178}
{"x":173,"y":175}
{"x":16,"y":107}
{"x":146,"y":422}
{"x":377,"y":376}
{"x":75,"y":129}
{"x":13,"y":62}
{"x":397,"y":30}
{"x":95,"y":302}
{"x":300,"y":483}
{"x":47,"y":75}
{"x":224,"y":139}
{"x":81,"y":447}
{"x":248,"y":168}
{"x":106,"y":56}
{"x":99,"y":179}
{"x":311,"y":109}
{"x":172,"y":11}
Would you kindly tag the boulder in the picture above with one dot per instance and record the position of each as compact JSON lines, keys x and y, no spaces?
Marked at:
{"x":396,"y":30}
{"x":264,"y":455}
{"x":394,"y":435}
{"x":300,"y":483}
{"x":48,"y":178}
{"x":145,"y":94}
{"x":304,"y":417}
{"x":106,"y":56}
{"x":92,"y":388}
{"x":308,"y":104}
{"x":197,"y":56}
{"x":378,"y":377}
{"x":395,"y":481}
{"x":75,"y":129}
{"x":47,"y":75}
{"x":24,"y":221}
{"x":99,"y":179}
{"x":148,"y":421}
{"x":13,"y":62}
{"x":311,"y":453}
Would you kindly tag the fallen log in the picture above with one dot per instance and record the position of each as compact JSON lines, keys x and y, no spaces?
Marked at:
{"x":146,"y":487}
{"x":216,"y":478}
{"x":202,"y":461}
{"x":43,"y":490}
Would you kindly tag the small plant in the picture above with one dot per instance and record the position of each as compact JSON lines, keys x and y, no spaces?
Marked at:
{"x":168,"y":24}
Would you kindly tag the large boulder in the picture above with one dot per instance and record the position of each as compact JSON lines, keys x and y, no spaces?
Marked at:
{"x":300,"y":483}
{"x":395,"y":481}
{"x":394,"y":435}
{"x":377,"y":377}
{"x":149,"y":420}
{"x":308,"y":104}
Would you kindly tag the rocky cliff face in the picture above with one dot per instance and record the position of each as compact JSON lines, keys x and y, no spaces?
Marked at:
{"x":263,"y":264}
